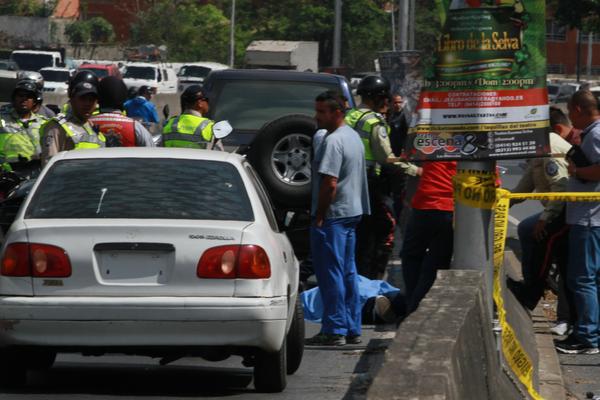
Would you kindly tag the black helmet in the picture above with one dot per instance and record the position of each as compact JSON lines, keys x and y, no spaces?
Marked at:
{"x":82,"y":76}
{"x":28,"y":86}
{"x":112,"y":92}
{"x":191,"y":94}
{"x":373,"y":86}
{"x":32,"y":76}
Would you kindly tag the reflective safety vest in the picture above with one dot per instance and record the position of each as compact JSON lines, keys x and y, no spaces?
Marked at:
{"x":116,"y":128}
{"x":88,"y":140}
{"x":188,"y":131}
{"x":19,"y":140}
{"x":363,"y":122}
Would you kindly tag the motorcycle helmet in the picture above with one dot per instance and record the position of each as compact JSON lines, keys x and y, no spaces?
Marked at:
{"x":82,"y":76}
{"x":112,"y":92}
{"x":35,"y":77}
{"x":190,"y":95}
{"x":373,"y":86}
{"x":28,"y":86}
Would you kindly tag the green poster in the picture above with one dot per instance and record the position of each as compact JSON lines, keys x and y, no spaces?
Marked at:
{"x":485,"y":95}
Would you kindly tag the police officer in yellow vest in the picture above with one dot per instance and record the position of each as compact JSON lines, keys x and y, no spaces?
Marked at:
{"x":73,"y":131}
{"x":375,"y":233}
{"x":19,"y":128}
{"x":190,"y":129}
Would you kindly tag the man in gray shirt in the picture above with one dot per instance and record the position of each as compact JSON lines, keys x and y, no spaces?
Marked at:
{"x":339,"y":199}
{"x":583,"y":271}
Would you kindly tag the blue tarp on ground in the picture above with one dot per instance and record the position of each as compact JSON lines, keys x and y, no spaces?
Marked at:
{"x":313,"y":305}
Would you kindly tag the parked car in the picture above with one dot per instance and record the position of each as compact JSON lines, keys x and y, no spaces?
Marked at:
{"x":34,"y":60}
{"x":552,"y":92}
{"x":56,"y":80}
{"x":8,"y":65}
{"x":194,"y":73}
{"x":272,"y":112}
{"x":101,"y":70}
{"x":566,"y":90}
{"x":135,"y":264}
{"x":157,"y":76}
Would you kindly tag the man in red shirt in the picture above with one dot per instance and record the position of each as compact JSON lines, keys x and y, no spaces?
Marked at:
{"x":428,"y":240}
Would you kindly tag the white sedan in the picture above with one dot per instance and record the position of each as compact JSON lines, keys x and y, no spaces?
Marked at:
{"x":159,"y":252}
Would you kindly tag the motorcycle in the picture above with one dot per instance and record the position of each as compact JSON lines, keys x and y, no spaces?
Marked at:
{"x":15,"y":185}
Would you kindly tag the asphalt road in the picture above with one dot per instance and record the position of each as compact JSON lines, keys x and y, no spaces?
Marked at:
{"x":326,"y":373}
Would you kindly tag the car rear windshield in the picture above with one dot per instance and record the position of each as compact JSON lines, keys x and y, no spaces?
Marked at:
{"x":140,"y":73}
{"x":251,"y":104}
{"x":194,"y":71}
{"x":141,"y":188}
{"x":55,"y":76}
{"x":99,"y":72}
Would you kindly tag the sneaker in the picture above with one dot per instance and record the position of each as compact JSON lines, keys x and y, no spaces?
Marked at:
{"x":561,"y":328}
{"x":353,"y":339}
{"x":383,"y":309}
{"x":572,"y":345}
{"x":326,"y":339}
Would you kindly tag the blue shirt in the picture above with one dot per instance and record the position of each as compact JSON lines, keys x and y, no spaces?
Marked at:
{"x":586,"y":213}
{"x":342,"y":155}
{"x":142,"y":109}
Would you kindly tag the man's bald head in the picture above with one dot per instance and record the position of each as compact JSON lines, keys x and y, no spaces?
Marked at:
{"x":583,"y":109}
{"x":585,"y":100}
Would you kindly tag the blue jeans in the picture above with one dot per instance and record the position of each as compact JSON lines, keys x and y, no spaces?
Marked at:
{"x":427,"y":247}
{"x":527,"y":241}
{"x":332,"y":246}
{"x":583,"y":278}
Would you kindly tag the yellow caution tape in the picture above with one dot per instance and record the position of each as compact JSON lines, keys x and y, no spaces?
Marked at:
{"x":513,"y":351}
{"x":475,"y":188}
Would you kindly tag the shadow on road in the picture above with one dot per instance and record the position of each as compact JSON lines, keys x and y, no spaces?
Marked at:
{"x":139,"y":380}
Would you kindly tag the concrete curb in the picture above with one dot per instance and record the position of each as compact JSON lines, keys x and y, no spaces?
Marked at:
{"x":552,"y":386}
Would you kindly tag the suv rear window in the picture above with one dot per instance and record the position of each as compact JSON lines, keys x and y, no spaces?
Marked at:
{"x":141,"y":188}
{"x":250,"y":104}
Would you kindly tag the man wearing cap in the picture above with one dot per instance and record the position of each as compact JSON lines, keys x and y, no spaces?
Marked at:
{"x":190,"y":129}
{"x":73,"y":131}
{"x":19,"y":128}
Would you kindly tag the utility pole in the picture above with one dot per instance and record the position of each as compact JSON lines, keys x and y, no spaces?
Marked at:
{"x":232,"y":36}
{"x":337,"y":34}
{"x":578,"y":56}
{"x":403,"y":25}
{"x":411,"y":26}
{"x":590,"y":55}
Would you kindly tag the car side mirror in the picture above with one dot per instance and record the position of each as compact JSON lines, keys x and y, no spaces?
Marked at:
{"x":166,"y":111}
{"x":222,"y":129}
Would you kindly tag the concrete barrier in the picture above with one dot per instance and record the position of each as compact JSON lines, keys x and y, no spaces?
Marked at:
{"x":446,"y":349}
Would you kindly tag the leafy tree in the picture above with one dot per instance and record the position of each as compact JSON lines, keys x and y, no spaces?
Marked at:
{"x":27,"y":8}
{"x":190,"y":31}
{"x":101,"y":31}
{"x":78,"y":32}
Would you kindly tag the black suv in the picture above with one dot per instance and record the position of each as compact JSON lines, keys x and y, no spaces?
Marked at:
{"x":271,"y":112}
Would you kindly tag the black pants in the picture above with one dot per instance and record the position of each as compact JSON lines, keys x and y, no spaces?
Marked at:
{"x":375,"y":234}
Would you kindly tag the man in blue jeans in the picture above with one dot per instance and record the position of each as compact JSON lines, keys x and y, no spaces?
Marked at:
{"x":583,"y":271}
{"x":339,"y":199}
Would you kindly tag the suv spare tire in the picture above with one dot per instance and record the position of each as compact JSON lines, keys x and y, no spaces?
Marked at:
{"x":282,"y":154}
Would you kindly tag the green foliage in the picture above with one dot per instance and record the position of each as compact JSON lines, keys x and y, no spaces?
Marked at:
{"x":27,"y":8}
{"x":101,"y":31}
{"x":580,"y":14}
{"x":191,"y":31}
{"x":95,"y":30}
{"x":78,"y":32}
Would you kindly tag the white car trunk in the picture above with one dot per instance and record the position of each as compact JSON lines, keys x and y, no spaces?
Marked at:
{"x":108,"y":255}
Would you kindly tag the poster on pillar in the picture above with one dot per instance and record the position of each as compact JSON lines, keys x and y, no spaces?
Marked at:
{"x":484,"y":96}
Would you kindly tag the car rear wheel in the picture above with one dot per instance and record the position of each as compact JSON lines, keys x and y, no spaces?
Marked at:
{"x":295,"y":339}
{"x":270,"y":370}
{"x":282,"y":154}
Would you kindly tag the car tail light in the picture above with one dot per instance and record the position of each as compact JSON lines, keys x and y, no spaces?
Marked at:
{"x":36,"y":260}
{"x":229,"y":262}
{"x":15,"y":261}
{"x":49,"y":261}
{"x":253,"y":263}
